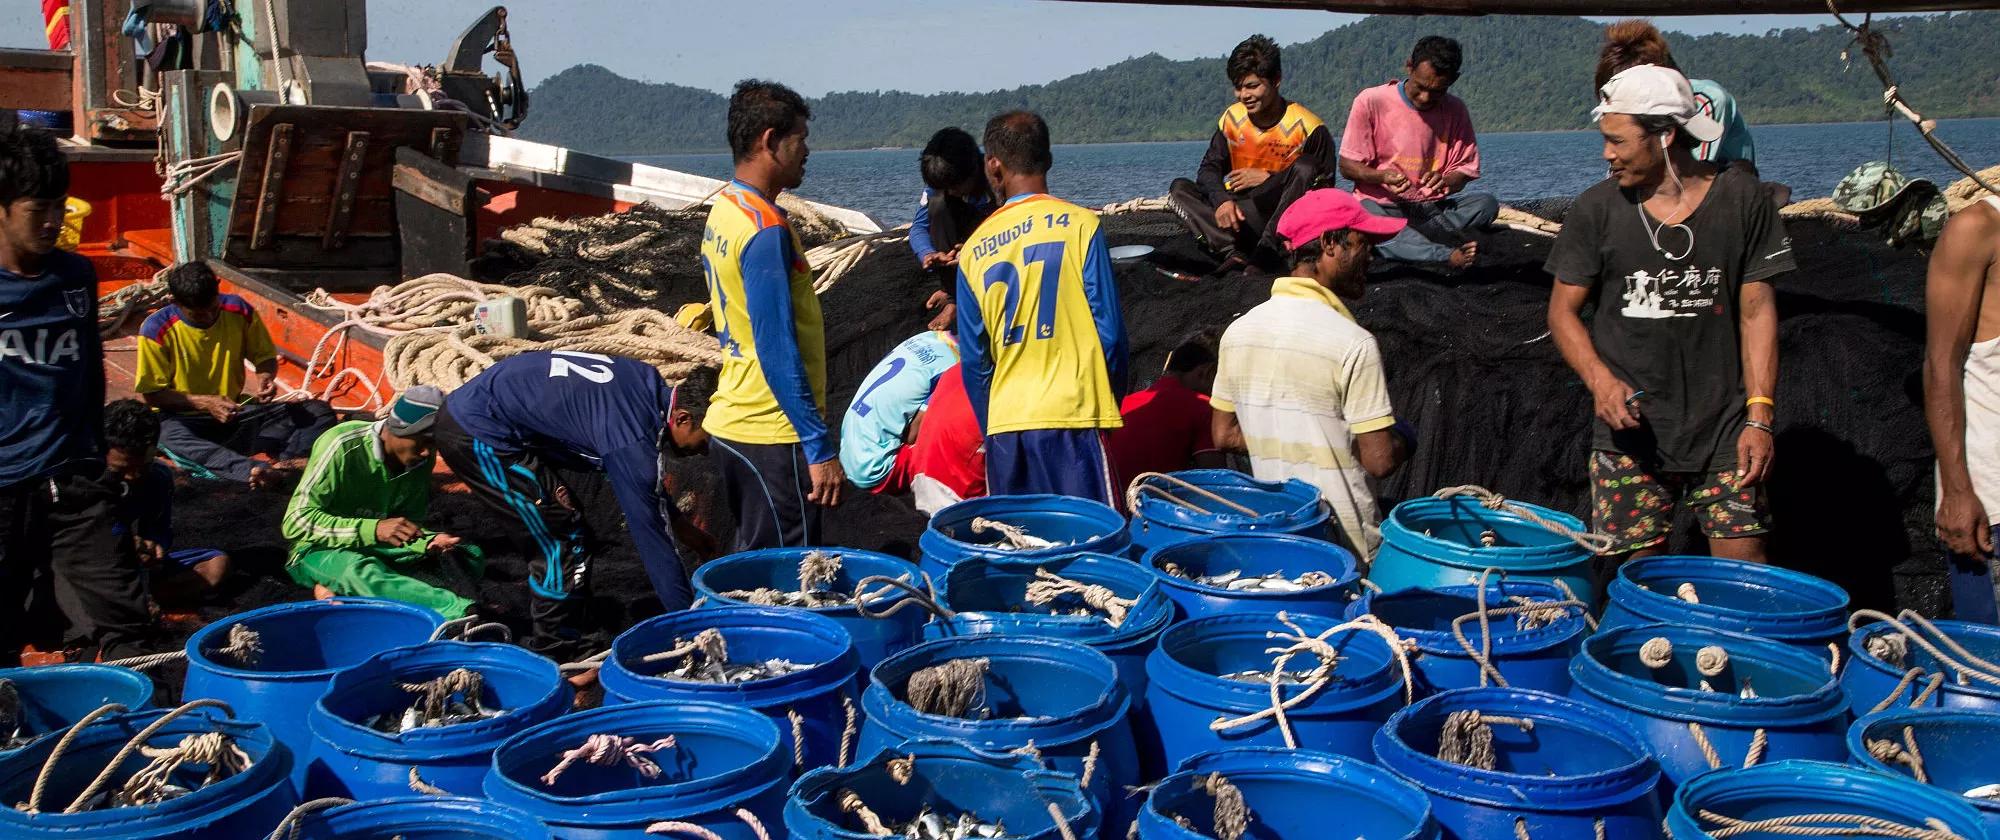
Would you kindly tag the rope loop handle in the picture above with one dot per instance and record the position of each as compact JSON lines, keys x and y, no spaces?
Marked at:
{"x":916,"y":595}
{"x":1966,"y":663}
{"x":288,"y":828}
{"x":1591,"y":541}
{"x":132,"y":745}
{"x":466,"y":628}
{"x":1139,"y":487}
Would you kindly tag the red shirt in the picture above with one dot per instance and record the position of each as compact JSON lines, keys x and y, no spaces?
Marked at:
{"x":948,"y":446}
{"x":1165,"y":425}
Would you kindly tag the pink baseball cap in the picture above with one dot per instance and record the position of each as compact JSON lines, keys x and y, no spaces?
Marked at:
{"x":1328,"y":209}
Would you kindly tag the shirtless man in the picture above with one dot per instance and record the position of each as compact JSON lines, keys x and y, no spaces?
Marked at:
{"x":1962,"y":400}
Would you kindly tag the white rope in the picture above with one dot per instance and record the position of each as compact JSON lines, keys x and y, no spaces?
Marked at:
{"x":1594,"y":542}
{"x":1969,"y":665}
{"x":1319,"y":677}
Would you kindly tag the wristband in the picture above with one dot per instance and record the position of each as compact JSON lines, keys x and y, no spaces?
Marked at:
{"x":1760,"y":401}
{"x":1760,"y":426}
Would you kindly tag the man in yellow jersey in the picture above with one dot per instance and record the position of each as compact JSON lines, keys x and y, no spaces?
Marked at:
{"x":1265,"y":154}
{"x":1041,"y":341}
{"x":778,"y":463}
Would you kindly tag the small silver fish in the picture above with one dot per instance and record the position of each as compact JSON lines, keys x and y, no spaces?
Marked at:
{"x":1984,"y":792}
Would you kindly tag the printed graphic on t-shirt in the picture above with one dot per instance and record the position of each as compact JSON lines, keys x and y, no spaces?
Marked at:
{"x":1673,"y":294}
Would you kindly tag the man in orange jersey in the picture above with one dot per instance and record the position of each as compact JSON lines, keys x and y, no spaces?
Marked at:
{"x":1041,"y":342}
{"x":1266,"y":152}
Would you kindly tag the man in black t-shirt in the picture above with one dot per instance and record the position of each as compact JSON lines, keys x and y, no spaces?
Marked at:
{"x":1681,"y":356}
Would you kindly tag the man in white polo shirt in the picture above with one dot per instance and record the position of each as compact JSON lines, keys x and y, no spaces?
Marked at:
{"x":1299,"y":384}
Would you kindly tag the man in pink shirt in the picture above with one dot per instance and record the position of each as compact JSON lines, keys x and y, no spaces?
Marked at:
{"x":1410,"y":150}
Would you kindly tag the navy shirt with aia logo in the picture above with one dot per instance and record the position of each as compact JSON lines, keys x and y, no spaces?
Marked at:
{"x":51,"y":369}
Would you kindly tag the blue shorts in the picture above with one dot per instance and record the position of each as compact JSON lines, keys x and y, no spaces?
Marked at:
{"x":1975,"y":595}
{"x":1065,"y":462}
{"x":188,"y":558}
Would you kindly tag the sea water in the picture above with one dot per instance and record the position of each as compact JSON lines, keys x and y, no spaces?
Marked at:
{"x":1516,"y":166}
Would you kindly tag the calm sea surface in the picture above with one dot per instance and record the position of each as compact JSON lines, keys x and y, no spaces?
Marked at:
{"x":1811,"y":158}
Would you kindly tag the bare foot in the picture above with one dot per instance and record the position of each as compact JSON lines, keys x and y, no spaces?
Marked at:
{"x":322,"y":593}
{"x":1463,"y":255}
{"x":271,"y":478}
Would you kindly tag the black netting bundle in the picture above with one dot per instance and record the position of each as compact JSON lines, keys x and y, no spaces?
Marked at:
{"x":646,"y":257}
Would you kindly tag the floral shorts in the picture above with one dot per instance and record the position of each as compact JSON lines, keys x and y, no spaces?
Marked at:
{"x":1636,"y":506}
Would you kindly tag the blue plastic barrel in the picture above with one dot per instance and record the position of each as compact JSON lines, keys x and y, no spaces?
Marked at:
{"x":55,"y":696}
{"x":1187,"y":692}
{"x":303,"y":643}
{"x":351,"y":760}
{"x":1797,"y":706}
{"x":422,"y":818}
{"x":1954,"y":747}
{"x":1253,"y":555}
{"x":989,"y":595}
{"x":1527,"y":656}
{"x":1735,"y":595}
{"x":1575,"y":772}
{"x":248,"y":804}
{"x":1275,"y":507}
{"x":1914,"y":675}
{"x":1075,"y":525}
{"x":1797,"y":788}
{"x":778,"y":568}
{"x":1291,"y":795}
{"x":1060,"y":696}
{"x":946,"y":778}
{"x":724,"y":758}
{"x":1432,"y":542}
{"x":816,"y":703}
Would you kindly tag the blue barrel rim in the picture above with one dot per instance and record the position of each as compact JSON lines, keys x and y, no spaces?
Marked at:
{"x":1080,"y":628}
{"x":1349,"y":577}
{"x":1606,"y":685}
{"x":1051,"y":732}
{"x":198,"y":643}
{"x":1629,"y":591}
{"x":634,"y":804}
{"x":1791,"y":775}
{"x":1244,"y":697}
{"x":729,"y":562}
{"x":485,"y":813}
{"x":1265,"y":762}
{"x":1517,"y":559}
{"x":954,"y":513}
{"x":1509,"y":642}
{"x":1857,"y":652}
{"x":821,"y":781}
{"x":140,"y":686}
{"x":1519,"y":791}
{"x":1313,"y":508}
{"x":773,"y":691}
{"x":433,"y":743}
{"x":267,"y":772}
{"x":1857,"y":739}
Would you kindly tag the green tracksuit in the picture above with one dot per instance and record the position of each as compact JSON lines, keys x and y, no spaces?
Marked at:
{"x":349,"y":487}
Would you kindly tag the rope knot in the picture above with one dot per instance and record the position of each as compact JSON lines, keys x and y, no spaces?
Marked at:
{"x":818,"y":570}
{"x":436,"y":693}
{"x":1232,"y":814}
{"x":1049,"y":586}
{"x":1467,"y":738}
{"x":243,"y":645}
{"x":1711,"y":660}
{"x":952,"y":688}
{"x":1656,"y":653}
{"x":609,"y":751}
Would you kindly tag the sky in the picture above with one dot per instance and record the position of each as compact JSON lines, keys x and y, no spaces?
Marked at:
{"x":817,"y":46}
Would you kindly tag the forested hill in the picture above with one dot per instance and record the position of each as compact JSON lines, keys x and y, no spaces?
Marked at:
{"x":1522,"y":73}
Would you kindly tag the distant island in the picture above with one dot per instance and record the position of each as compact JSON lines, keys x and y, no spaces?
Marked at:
{"x":1523,"y":74}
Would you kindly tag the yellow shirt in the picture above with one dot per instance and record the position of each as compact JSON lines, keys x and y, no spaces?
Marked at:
{"x":773,"y":380}
{"x":175,"y":355}
{"x":1041,"y":339}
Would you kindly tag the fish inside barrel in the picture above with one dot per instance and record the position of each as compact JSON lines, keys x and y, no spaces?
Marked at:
{"x":1235,"y":580}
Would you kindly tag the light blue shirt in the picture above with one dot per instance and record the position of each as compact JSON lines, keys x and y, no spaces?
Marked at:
{"x":893,"y":392}
{"x":1736,"y":143}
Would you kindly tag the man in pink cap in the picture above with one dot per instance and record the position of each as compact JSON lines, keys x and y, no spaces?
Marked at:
{"x":1298,"y":383}
{"x":1681,"y":357}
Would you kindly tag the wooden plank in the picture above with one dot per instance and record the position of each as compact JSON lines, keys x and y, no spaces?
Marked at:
{"x":345,"y":183}
{"x":1606,"y":8}
{"x":273,"y":190}
{"x":434,"y":215}
{"x":33,"y":85}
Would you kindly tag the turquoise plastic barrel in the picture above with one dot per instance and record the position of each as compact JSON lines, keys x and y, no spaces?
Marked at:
{"x":1735,"y":595}
{"x":778,"y":568}
{"x":1074,"y":525}
{"x":946,"y":778}
{"x":1290,"y":795}
{"x":1791,"y":789}
{"x":248,"y":804}
{"x":1274,"y":507}
{"x":55,"y":696}
{"x":724,"y":758}
{"x":1432,"y":542}
{"x":1794,"y":707}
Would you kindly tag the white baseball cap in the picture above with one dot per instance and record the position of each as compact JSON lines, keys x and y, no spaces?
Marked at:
{"x":1649,"y":89}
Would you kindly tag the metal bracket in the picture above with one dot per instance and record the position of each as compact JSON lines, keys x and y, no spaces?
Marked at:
{"x":345,"y":184}
{"x":272,"y":195}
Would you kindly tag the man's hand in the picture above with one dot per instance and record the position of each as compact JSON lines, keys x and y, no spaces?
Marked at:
{"x":1245,"y":179}
{"x":267,"y":387}
{"x":443,"y":543}
{"x":223,"y":409}
{"x":1754,"y":450}
{"x":1431,"y":182}
{"x":1613,"y":400}
{"x":1394,"y":179}
{"x":827,"y":477}
{"x":937,"y":259}
{"x":945,"y":317}
{"x":1962,"y":525}
{"x":150,"y":553}
{"x":396,"y":531}
{"x":1228,"y":216}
